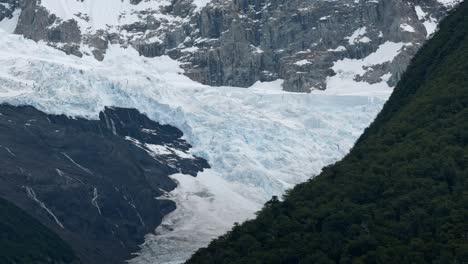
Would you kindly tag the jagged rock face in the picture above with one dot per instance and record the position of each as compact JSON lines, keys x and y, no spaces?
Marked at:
{"x":272,"y":37}
{"x":244,"y":41}
{"x":7,"y":7}
{"x":237,"y":43}
{"x":99,"y":184}
{"x":37,"y":23}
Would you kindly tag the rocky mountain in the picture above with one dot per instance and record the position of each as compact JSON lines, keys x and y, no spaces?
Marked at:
{"x":99,"y":184}
{"x":91,"y":167}
{"x":399,"y":196}
{"x":237,"y":43}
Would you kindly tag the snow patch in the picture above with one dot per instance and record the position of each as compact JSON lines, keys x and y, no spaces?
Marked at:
{"x":200,"y":4}
{"x":420,"y":13}
{"x":407,"y":28}
{"x":111,"y":15}
{"x":385,"y":53}
{"x":358,"y":36}
{"x":9,"y":24}
{"x":449,"y":3}
{"x":302,"y":62}
{"x":430,"y":25}
{"x":339,"y":48}
{"x":348,"y":69}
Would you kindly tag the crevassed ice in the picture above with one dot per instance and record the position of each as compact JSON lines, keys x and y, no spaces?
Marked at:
{"x":259,"y":141}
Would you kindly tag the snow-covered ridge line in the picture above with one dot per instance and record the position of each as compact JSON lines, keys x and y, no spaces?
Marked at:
{"x":110,"y":14}
{"x":259,"y":141}
{"x":199,"y":32}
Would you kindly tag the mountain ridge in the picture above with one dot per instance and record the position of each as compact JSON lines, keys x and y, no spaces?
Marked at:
{"x":225,"y":43}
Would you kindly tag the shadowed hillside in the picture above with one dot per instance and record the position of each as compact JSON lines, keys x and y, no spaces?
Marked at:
{"x":24,"y":240}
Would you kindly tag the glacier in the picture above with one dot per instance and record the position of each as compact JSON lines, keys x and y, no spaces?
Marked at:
{"x":259,"y":141}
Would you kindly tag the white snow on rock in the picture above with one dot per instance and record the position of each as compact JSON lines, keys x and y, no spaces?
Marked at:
{"x":94,"y":15}
{"x":302,"y":62}
{"x":9,"y":24}
{"x":358,"y":36}
{"x":259,"y":141}
{"x":420,"y":13}
{"x":386,"y":52}
{"x":339,"y":48}
{"x":110,"y":15}
{"x":429,"y":23}
{"x":449,"y":3}
{"x":344,"y":83}
{"x":408,"y":28}
{"x":98,"y":14}
{"x":199,"y":4}
{"x":431,"y":26}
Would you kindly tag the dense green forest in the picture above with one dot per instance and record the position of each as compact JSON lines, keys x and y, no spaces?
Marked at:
{"x":400,"y":196}
{"x":24,"y":240}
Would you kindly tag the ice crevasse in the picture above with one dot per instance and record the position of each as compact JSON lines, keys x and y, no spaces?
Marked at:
{"x":259,"y":141}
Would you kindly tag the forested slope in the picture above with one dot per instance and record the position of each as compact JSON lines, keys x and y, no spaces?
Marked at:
{"x":400,"y":196}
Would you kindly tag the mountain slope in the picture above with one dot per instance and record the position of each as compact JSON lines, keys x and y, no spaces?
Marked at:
{"x":400,"y":196}
{"x":101,"y":185}
{"x":258,"y":141}
{"x":23,"y":239}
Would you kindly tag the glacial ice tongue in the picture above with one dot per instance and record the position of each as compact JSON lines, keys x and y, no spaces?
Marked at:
{"x":259,"y":141}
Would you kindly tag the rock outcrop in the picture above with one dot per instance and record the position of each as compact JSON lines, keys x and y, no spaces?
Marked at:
{"x":7,"y":8}
{"x":240,"y":42}
{"x":99,"y":184}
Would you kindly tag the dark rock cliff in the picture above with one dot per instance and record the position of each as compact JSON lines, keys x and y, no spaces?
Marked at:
{"x":99,"y":184}
{"x":26,"y":240}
